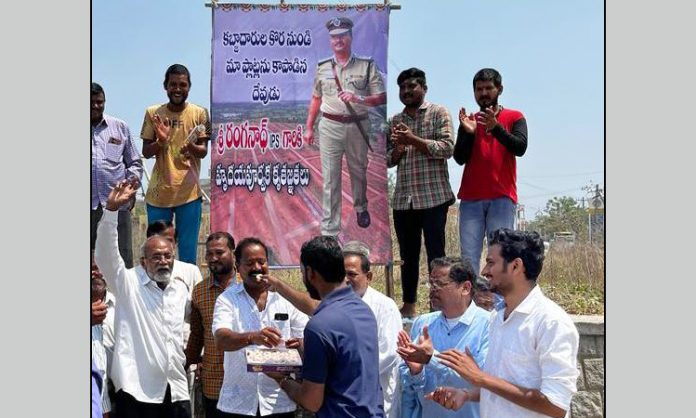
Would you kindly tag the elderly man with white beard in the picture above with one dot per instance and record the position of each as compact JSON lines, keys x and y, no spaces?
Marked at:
{"x":148,"y":363}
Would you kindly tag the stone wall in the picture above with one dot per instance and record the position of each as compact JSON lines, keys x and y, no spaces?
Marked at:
{"x":589,"y":401}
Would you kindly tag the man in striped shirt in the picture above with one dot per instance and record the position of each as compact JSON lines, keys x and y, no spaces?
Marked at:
{"x":219,"y":254}
{"x":114,"y":158}
{"x":419,"y":146}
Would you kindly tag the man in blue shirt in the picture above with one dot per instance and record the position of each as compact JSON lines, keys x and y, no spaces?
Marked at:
{"x":114,"y":158}
{"x":341,"y":355}
{"x":97,"y":384}
{"x":458,"y":323}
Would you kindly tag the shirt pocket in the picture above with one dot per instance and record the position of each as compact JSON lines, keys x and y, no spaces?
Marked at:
{"x":328,"y":87}
{"x":358,"y":83}
{"x":521,"y":369}
{"x":114,"y":152}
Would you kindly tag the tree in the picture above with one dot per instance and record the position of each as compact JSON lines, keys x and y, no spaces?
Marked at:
{"x":561,"y":214}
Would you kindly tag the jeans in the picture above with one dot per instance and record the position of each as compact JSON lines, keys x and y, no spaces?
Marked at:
{"x":477,"y":217}
{"x":409,"y":224}
{"x":187,"y":221}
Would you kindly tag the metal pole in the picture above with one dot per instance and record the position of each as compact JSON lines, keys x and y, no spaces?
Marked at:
{"x":389,"y":278}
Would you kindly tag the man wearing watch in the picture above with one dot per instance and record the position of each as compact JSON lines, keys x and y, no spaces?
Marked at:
{"x":244,"y":317}
{"x":345,"y":86}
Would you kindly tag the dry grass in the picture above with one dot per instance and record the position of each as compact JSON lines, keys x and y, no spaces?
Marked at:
{"x":573,"y":277}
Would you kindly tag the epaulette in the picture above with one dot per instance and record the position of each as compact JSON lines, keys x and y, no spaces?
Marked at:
{"x":324,"y":61}
{"x":363,"y":58}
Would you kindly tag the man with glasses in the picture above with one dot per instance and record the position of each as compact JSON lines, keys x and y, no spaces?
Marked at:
{"x":458,"y":323}
{"x":148,"y":363}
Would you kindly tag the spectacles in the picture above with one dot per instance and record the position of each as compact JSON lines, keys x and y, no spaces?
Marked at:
{"x":157,"y":257}
{"x":437,"y":286}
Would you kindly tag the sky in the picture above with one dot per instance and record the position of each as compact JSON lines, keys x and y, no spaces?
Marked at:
{"x":550,"y":55}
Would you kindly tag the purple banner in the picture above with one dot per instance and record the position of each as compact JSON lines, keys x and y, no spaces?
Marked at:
{"x":298,"y":110}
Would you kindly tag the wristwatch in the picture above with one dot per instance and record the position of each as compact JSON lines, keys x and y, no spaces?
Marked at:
{"x":361,"y":99}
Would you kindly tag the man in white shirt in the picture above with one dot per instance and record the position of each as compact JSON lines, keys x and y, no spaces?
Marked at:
{"x":356,"y":258}
{"x":244,"y":316}
{"x":148,"y":365}
{"x":531,"y":367}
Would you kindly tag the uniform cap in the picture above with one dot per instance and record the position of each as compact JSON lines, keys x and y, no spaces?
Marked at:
{"x":339,"y":25}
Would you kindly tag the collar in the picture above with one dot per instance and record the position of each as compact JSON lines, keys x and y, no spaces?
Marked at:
{"x":527,"y":305}
{"x":338,"y":64}
{"x":467,"y":317}
{"x":335,"y":296}
{"x":110,"y":299}
{"x":421,"y":108}
{"x":102,"y":121}
{"x":214,"y":283}
{"x":144,"y":279}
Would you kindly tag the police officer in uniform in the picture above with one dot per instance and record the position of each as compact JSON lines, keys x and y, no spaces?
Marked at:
{"x":344,"y":87}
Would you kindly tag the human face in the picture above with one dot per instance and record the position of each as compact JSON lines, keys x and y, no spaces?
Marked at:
{"x":358,"y":279}
{"x":252,"y":262}
{"x":219,"y":258}
{"x":411,"y":92}
{"x":341,"y":44}
{"x":159,"y":259}
{"x":486,"y":94}
{"x":439,"y":280}
{"x":177,"y":88}
{"x":313,"y":292}
{"x":96,"y":111}
{"x":496,"y":271}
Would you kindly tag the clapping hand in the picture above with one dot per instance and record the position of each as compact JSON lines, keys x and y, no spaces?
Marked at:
{"x":467,"y":121}
{"x":449,"y":397}
{"x":419,"y":352}
{"x":487,"y":118}
{"x":162,"y":128}
{"x":402,"y":134}
{"x":462,"y":363}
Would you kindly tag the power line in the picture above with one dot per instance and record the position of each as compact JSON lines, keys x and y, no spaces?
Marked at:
{"x":563,"y":175}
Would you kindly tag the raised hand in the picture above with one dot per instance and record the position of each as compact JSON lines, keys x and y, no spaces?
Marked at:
{"x":121,"y":194}
{"x":467,"y":121}
{"x":162,"y":128}
{"x":449,"y":397}
{"x":462,"y":363}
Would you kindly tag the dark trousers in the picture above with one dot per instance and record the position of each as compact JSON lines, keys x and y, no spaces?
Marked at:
{"x":409,"y":224}
{"x":258,"y":414}
{"x":210,"y":407}
{"x":129,"y":407}
{"x":125,"y":240}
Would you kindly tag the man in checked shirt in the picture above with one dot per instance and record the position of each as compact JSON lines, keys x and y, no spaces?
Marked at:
{"x":419,"y":146}
{"x":219,"y":254}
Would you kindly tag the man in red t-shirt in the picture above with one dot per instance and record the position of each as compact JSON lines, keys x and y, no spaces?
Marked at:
{"x":487,"y":144}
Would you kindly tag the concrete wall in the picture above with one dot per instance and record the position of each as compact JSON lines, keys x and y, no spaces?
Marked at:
{"x":589,"y":401}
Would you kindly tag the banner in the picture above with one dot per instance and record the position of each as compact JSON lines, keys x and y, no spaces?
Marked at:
{"x":298,"y":112}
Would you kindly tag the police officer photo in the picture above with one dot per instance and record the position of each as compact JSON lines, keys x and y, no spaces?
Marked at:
{"x":345,"y":86}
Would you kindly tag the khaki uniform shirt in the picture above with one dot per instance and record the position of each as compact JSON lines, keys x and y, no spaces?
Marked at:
{"x":359,"y":76}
